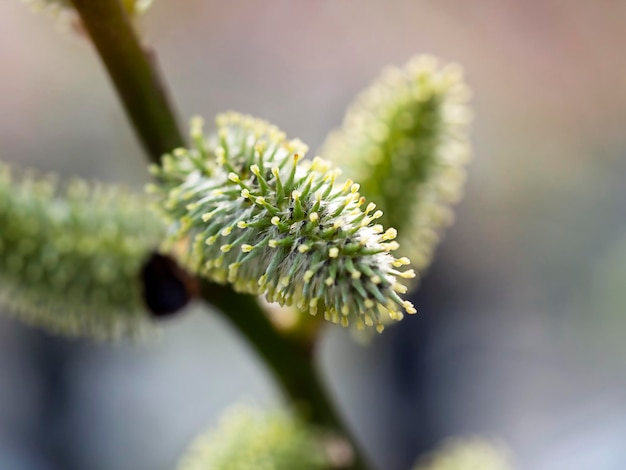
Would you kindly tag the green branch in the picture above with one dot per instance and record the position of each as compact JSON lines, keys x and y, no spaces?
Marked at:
{"x":133,"y":73}
{"x":290,"y":362}
{"x":145,"y":101}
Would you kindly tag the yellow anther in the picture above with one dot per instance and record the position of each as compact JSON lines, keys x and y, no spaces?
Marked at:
{"x":399,"y":288}
{"x":391,"y":246}
{"x":404,"y":261}
{"x":226,"y":248}
{"x":333,"y":252}
{"x":247,"y":248}
{"x":408,"y":307}
{"x":408,"y":274}
{"x":390,"y":234}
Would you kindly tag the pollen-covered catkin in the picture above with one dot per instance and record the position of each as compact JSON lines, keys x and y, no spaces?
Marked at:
{"x":72,"y":262}
{"x":405,"y":139}
{"x":261,"y":217}
{"x":249,"y":438}
{"x":467,"y":454}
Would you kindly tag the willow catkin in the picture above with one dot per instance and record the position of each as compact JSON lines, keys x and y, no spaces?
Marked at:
{"x":262,"y":218}
{"x":71,"y":261}
{"x":467,"y":454}
{"x":248,"y":438}
{"x":405,"y":139}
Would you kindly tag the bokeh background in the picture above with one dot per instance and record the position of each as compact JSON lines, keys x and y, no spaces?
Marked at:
{"x":521,"y":324}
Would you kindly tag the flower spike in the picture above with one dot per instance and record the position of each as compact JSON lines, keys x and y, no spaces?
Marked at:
{"x":261,"y":217}
{"x":72,"y":261}
{"x":405,"y":140}
{"x":249,"y":438}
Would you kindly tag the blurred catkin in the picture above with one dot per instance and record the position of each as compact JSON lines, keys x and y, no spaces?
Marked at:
{"x":259,"y":216}
{"x":72,"y":262}
{"x":251,"y":439}
{"x":405,"y":139}
{"x":467,"y":454}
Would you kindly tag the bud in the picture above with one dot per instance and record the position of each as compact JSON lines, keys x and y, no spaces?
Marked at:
{"x":262,"y":218}
{"x":72,"y":262}
{"x":405,"y":139}
{"x":260,"y":440}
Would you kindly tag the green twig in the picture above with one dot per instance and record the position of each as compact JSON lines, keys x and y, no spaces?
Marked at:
{"x":133,"y":73}
{"x":290,"y":361}
{"x":143,"y":94}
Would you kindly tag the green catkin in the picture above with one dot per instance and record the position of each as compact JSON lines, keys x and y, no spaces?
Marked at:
{"x":467,"y":454}
{"x":405,"y":139}
{"x":251,"y":439}
{"x":259,"y":216}
{"x":72,"y":262}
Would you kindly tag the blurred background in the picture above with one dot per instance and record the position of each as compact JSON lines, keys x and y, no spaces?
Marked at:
{"x":521,"y":324}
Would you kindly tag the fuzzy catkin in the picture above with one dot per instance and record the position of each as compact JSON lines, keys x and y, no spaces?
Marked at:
{"x":467,"y":454}
{"x":405,"y":139}
{"x":249,"y":438}
{"x":259,"y":216}
{"x":72,"y":262}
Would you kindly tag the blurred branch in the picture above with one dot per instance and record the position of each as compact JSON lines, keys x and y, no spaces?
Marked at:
{"x":145,"y":101}
{"x":133,"y":73}
{"x":290,"y":361}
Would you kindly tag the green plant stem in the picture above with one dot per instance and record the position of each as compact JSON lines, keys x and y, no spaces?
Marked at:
{"x":290,"y":361}
{"x":143,"y":95}
{"x":133,"y":73}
